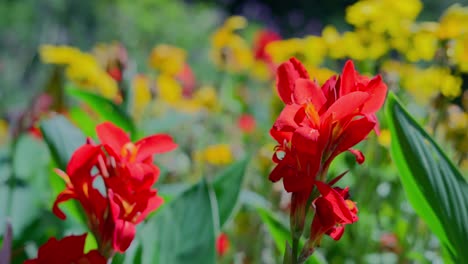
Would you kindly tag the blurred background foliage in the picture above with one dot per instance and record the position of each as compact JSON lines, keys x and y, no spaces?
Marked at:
{"x":388,"y":230}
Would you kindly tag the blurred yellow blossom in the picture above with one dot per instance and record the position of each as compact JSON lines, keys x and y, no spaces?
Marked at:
{"x":169,"y":89}
{"x":423,"y":42}
{"x":332,"y":40}
{"x":206,"y":97}
{"x":458,"y":52}
{"x":425,"y":83}
{"x":141,"y":94}
{"x":363,"y":44}
{"x":384,"y":138}
{"x":167,"y":59}
{"x":383,"y":16}
{"x":81,"y":68}
{"x":321,"y":74}
{"x":229,"y":50}
{"x":3,"y":131}
{"x":219,"y":154}
{"x":310,"y":50}
{"x":453,"y":22}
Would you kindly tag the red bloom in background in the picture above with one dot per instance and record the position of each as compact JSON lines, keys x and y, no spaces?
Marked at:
{"x":67,"y":250}
{"x":318,"y":123}
{"x":222,"y":244}
{"x":246,"y":123}
{"x":128,"y":174}
{"x":333,"y":211}
{"x":262,"y":39}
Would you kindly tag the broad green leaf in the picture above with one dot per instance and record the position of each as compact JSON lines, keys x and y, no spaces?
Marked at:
{"x":30,"y":156}
{"x":182,"y":231}
{"x":106,"y":109}
{"x":227,"y":187}
{"x":434,"y":187}
{"x":84,"y":121}
{"x":62,"y":137}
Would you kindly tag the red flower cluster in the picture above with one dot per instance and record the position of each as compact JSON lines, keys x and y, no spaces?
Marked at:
{"x":67,"y":250}
{"x":316,"y":125}
{"x":113,"y":183}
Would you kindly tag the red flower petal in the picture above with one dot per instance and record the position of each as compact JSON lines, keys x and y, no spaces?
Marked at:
{"x":348,"y":79}
{"x":308,"y":91}
{"x":347,"y":105}
{"x":287,"y":74}
{"x":64,"y":196}
{"x":305,"y":140}
{"x":354,"y":133}
{"x":112,"y":135}
{"x":378,"y":92}
{"x":83,"y":159}
{"x":340,"y":209}
{"x":154,"y":144}
{"x":124,"y":234}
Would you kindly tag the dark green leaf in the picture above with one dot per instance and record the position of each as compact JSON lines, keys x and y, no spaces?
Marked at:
{"x":62,"y":137}
{"x":106,"y":109}
{"x":182,"y":231}
{"x":227,"y":187}
{"x":435,"y":188}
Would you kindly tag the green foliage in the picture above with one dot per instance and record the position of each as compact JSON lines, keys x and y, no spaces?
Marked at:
{"x":435,"y":188}
{"x":227,"y":187}
{"x":182,"y":230}
{"x":106,"y":109}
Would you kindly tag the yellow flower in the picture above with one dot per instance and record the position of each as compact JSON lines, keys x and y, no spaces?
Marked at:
{"x":384,"y":138}
{"x":450,"y":85}
{"x":423,"y":43}
{"x":206,"y":97}
{"x":229,"y":50}
{"x":332,"y":40}
{"x":220,"y":154}
{"x":169,"y":90}
{"x":167,"y":59}
{"x":141,"y":94}
{"x":81,"y":68}
{"x":453,"y":22}
{"x":363,"y":44}
{"x":382,"y":16}
{"x":426,"y":83}
{"x":458,"y":52}
{"x":310,"y":50}
{"x":3,"y":131}
{"x":321,"y":74}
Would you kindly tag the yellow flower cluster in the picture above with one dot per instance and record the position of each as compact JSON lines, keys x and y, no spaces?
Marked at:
{"x":170,"y":62}
{"x":229,"y":50}
{"x":219,"y":154}
{"x":81,"y":68}
{"x":425,"y":83}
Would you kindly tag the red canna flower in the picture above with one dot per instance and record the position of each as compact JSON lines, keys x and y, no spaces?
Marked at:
{"x":128,"y":174}
{"x":222,"y":244}
{"x":333,"y":211}
{"x":246,"y":123}
{"x":262,"y":39}
{"x":318,"y":123}
{"x":67,"y":250}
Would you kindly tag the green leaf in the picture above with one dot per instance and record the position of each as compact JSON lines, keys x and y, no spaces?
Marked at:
{"x":62,"y":138}
{"x":30,"y":156}
{"x":106,"y":109}
{"x":227,"y":187}
{"x":435,"y":188}
{"x":84,"y":121}
{"x":182,"y":231}
{"x":281,"y":235}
